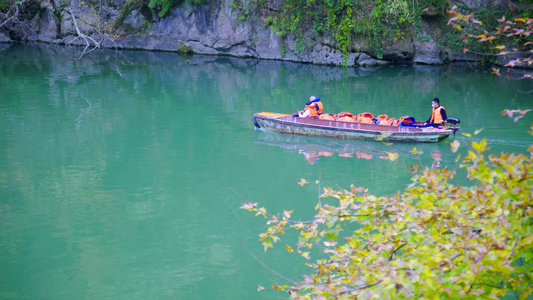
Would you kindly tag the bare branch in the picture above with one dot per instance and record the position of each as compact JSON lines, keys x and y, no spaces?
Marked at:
{"x":274,"y":272}
{"x":14,"y":11}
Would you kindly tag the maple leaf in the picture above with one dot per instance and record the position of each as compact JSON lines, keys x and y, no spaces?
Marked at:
{"x":267,"y":244}
{"x":513,"y":63}
{"x":481,"y":146}
{"x":393,"y":156}
{"x":454,"y":145}
{"x":510,"y":113}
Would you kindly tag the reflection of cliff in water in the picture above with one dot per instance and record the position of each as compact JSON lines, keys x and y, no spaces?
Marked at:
{"x":315,"y":148}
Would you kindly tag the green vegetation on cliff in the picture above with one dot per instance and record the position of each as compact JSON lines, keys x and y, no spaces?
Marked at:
{"x":374,"y":24}
{"x":343,"y":21}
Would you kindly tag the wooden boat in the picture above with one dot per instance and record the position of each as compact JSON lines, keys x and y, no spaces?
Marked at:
{"x":291,"y":124}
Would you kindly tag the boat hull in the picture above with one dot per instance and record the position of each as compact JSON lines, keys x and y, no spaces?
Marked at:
{"x":289,"y":124}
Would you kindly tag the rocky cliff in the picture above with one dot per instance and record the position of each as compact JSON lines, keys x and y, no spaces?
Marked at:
{"x":212,"y":29}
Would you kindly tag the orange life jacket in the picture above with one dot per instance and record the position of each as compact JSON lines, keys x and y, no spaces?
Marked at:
{"x":365,"y":117}
{"x":319,"y":105}
{"x":320,"y":109}
{"x":436,"y":116}
{"x":389,"y":121}
{"x":346,"y":117}
{"x":312,"y":108}
{"x":383,"y":117}
{"x":399,"y":121}
{"x":326,"y":117}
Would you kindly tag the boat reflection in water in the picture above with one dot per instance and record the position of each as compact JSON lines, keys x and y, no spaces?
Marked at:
{"x":313,"y":148}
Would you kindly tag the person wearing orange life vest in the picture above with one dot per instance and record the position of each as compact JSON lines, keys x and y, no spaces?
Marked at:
{"x":438,"y":114}
{"x":310,"y":111}
{"x":318,"y":104}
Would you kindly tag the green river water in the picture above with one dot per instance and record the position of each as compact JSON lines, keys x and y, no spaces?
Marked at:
{"x":123,"y":179}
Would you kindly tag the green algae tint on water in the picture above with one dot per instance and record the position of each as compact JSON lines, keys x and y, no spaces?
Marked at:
{"x":124,"y":181}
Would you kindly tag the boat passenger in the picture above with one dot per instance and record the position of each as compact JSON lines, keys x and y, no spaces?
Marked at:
{"x":438,"y":114}
{"x":318,"y":104}
{"x":309,"y":111}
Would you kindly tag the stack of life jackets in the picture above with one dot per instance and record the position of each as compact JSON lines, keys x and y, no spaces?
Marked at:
{"x":316,"y":109}
{"x":366,"y":118}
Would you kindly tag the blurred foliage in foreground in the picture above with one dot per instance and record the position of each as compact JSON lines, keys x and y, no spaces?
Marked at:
{"x":433,"y":240}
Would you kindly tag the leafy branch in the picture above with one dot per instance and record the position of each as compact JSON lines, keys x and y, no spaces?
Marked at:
{"x":512,"y":39}
{"x":435,"y":239}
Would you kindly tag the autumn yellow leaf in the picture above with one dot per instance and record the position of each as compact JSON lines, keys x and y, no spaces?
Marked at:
{"x":267,"y":244}
{"x":499,"y":47}
{"x":416,"y":151}
{"x":454,"y":145}
{"x":466,"y":134}
{"x":478,"y":131}
{"x":289,"y":249}
{"x":393,"y":156}
{"x":262,"y":211}
{"x":481,"y":146}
